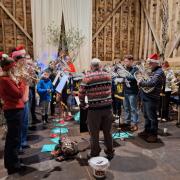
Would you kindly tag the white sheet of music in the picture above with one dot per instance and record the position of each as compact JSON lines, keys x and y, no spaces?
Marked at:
{"x":77,"y":100}
{"x":62,"y":83}
{"x":56,"y":78}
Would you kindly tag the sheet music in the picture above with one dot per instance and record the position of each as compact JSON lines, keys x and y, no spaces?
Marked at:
{"x":77,"y":100}
{"x":56,"y":78}
{"x":62,"y":83}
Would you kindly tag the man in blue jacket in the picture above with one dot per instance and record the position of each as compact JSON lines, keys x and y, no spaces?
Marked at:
{"x":45,"y":89}
{"x":130,"y":95}
{"x":151,"y":99}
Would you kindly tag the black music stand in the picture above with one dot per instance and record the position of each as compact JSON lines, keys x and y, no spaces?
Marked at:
{"x":119,"y":129}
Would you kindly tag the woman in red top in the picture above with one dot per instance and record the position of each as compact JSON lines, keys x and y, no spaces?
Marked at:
{"x":71,"y":67}
{"x":11,"y":92}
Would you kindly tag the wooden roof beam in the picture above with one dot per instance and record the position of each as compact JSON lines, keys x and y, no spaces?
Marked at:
{"x":15,"y":21}
{"x":176,"y":43}
{"x":151,"y":26}
{"x":108,"y":18}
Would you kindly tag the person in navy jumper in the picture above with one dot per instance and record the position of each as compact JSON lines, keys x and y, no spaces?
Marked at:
{"x":151,"y":100}
{"x":45,"y":89}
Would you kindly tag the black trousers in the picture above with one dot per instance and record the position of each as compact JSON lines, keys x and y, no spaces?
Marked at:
{"x":13,"y":118}
{"x":97,"y":119}
{"x":164,"y":105}
{"x":32,"y":101}
{"x":150,"y":115}
{"x":53,"y":105}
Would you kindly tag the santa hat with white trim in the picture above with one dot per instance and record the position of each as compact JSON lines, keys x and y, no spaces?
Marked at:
{"x":19,"y":53}
{"x":153,"y":58}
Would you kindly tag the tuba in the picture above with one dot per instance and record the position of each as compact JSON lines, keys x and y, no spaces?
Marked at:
{"x":141,"y":74}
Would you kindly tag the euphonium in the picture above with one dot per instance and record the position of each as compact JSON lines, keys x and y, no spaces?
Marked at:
{"x":122,"y":72}
{"x":140,"y":75}
{"x":26,"y":73}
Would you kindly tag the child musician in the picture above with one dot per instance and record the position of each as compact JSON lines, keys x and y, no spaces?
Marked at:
{"x":45,"y":89}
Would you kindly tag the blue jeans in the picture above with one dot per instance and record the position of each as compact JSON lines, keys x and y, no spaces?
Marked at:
{"x":130,"y":107}
{"x":150,"y":115}
{"x":25,"y":121}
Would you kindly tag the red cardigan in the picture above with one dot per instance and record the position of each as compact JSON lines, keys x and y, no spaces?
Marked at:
{"x":11,"y":93}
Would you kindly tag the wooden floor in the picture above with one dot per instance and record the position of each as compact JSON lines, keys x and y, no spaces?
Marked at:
{"x":134,"y":158}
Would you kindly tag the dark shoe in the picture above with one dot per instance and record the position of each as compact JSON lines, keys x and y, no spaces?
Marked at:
{"x":17,"y":170}
{"x":152,"y":139}
{"x":46,"y":118}
{"x":26,"y":146}
{"x":36,"y":121}
{"x":109,"y":154}
{"x":143,"y":134}
{"x":89,"y":155}
{"x":134,"y":128}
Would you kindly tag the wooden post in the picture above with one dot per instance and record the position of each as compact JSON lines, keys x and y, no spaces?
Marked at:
{"x":146,"y":34}
{"x":3,"y":32}
{"x":151,"y":26}
{"x":141,"y":34}
{"x":158,"y":22}
{"x":177,"y":18}
{"x":129,"y":25}
{"x":120,"y":31}
{"x":97,"y":4}
{"x":14,"y":25}
{"x":136,"y":30}
{"x":150,"y":34}
{"x":25,"y":21}
{"x":105,"y":34}
{"x":113,"y":33}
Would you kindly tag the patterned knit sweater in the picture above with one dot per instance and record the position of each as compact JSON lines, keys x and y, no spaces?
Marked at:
{"x":97,"y":87}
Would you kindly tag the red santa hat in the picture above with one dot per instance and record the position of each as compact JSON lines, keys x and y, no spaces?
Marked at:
{"x":19,"y":52}
{"x":153,"y":58}
{"x":6,"y":62}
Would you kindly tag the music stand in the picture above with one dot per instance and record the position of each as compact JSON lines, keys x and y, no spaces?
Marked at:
{"x":119,"y":130}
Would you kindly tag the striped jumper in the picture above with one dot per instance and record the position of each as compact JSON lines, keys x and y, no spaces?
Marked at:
{"x":97,"y":87}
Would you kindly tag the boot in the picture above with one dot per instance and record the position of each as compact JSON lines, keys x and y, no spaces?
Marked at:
{"x":46,"y":118}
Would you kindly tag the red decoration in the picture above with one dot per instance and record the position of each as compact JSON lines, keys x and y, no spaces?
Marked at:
{"x":53,"y":135}
{"x":20,"y":47}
